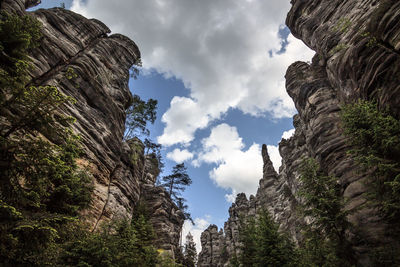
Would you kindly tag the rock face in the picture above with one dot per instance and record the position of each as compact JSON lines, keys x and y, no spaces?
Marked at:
{"x":98,"y":67}
{"x":357,"y":45}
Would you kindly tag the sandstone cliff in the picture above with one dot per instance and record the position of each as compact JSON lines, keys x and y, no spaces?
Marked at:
{"x":357,"y":45}
{"x":98,"y":65}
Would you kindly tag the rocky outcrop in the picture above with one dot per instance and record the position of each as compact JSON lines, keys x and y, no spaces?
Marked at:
{"x":213,"y":247}
{"x":80,"y":58}
{"x":357,"y":45}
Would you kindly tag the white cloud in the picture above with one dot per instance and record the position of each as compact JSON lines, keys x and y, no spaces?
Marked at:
{"x":231,"y":197}
{"x":275,"y":157}
{"x":179,"y":156}
{"x":219,"y":49}
{"x":200,"y":225}
{"x":273,"y":151}
{"x":288,"y":134}
{"x":237,"y":169}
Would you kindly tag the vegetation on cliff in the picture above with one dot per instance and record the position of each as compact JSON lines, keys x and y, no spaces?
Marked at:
{"x":262,"y":244}
{"x":43,"y":189}
{"x":325,"y":242}
{"x":374,"y":135}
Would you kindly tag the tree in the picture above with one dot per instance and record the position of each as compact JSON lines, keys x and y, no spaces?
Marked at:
{"x":41,"y":187}
{"x":247,"y":236}
{"x":263,"y":245}
{"x":374,"y":135}
{"x":155,"y":149}
{"x":138,"y":114}
{"x":117,"y":244}
{"x":190,"y":252}
{"x":176,"y":182}
{"x":180,"y":202}
{"x":324,"y":204}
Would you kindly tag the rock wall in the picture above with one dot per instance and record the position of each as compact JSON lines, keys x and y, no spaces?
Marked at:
{"x":98,"y":65}
{"x":357,"y":45}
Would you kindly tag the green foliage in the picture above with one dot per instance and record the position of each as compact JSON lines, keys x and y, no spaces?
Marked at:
{"x":155,"y":150}
{"x":343,"y":25}
{"x":337,"y":49}
{"x":180,"y":203}
{"x":175,"y":184}
{"x":117,"y":244}
{"x":324,"y":204}
{"x":42,"y":189}
{"x":234,"y":261}
{"x":138,"y":114}
{"x":316,"y":250}
{"x":165,"y":259}
{"x":375,"y":137}
{"x":322,"y":200}
{"x":263,"y":245}
{"x":190,"y":253}
{"x":41,"y":186}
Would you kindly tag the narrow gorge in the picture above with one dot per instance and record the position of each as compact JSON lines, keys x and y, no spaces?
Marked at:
{"x":357,"y":57}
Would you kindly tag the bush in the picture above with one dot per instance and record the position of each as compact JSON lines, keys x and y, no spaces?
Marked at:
{"x":263,"y":245}
{"x":41,"y":187}
{"x":375,"y":137}
{"x":325,"y":239}
{"x":117,"y":244}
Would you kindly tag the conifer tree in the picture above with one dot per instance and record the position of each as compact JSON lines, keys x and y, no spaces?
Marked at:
{"x":138,"y":114}
{"x":175,"y":184}
{"x":41,"y":187}
{"x":190,"y":253}
{"x":324,"y":203}
{"x":263,"y":245}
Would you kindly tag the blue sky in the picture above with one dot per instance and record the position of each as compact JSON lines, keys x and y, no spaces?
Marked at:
{"x":217,"y":69}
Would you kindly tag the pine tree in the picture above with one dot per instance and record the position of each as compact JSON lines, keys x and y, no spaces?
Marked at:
{"x":41,"y":186}
{"x":138,"y":115}
{"x":190,"y":253}
{"x":176,"y":182}
{"x":263,"y":245}
{"x":180,"y":202}
{"x":248,"y":239}
{"x":324,"y":203}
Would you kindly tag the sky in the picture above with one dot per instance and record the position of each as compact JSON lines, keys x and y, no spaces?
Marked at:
{"x":217,"y":69}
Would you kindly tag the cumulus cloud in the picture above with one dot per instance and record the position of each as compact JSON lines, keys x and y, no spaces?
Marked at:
{"x":179,"y":156}
{"x":200,"y":225}
{"x":274,"y":156}
{"x":273,"y":151}
{"x":237,"y":169}
{"x":221,"y":50}
{"x":288,"y":134}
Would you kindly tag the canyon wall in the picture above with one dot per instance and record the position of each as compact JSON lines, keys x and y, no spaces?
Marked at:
{"x":81,"y":58}
{"x":357,"y":45}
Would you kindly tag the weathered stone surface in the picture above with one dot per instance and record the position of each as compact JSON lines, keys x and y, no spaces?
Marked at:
{"x":80,"y":58}
{"x":357,"y":46}
{"x":166,"y":218}
{"x":212,"y":242}
{"x":101,"y":64}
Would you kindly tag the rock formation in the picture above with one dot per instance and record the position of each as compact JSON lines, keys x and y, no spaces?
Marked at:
{"x":98,"y":65}
{"x":357,"y":45}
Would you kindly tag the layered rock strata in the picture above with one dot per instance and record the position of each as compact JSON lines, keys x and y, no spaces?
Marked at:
{"x":357,"y":45}
{"x":80,"y":58}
